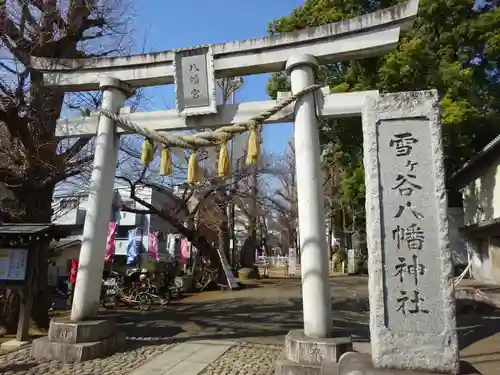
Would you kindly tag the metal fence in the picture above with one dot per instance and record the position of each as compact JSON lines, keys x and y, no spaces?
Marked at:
{"x":272,"y":261}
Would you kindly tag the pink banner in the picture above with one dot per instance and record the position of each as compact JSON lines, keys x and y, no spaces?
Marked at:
{"x":153,"y":246}
{"x":184,"y":254}
{"x":110,"y":242}
{"x":73,"y":272}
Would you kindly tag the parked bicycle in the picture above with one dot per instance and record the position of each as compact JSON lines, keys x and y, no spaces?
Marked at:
{"x":129,"y":289}
{"x":142,"y":300}
{"x":109,"y":293}
{"x":163,"y":298}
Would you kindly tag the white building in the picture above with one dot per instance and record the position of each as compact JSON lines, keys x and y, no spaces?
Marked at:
{"x":479,"y":183}
{"x":71,"y":210}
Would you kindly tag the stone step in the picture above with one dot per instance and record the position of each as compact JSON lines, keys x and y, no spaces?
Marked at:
{"x":44,"y":349}
{"x":64,"y":330}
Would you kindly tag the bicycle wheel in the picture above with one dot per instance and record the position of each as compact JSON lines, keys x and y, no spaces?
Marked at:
{"x":166,"y":298}
{"x":177,"y":287}
{"x":144,"y":301}
{"x":109,"y":301}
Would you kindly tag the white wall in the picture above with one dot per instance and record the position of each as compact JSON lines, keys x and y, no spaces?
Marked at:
{"x":485,"y":257}
{"x":76,"y":215}
{"x":60,"y":268}
{"x":66,"y":214}
{"x":481,"y":197}
{"x":457,"y":242}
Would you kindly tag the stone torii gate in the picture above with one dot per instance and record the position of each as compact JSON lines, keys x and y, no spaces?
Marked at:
{"x":300,"y":53}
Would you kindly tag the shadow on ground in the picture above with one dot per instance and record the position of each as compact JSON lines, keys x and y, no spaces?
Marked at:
{"x":233,"y":319}
{"x":266,"y":314}
{"x":476,"y":322}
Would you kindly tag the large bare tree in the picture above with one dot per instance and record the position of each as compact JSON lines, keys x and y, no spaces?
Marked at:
{"x":31,"y":159}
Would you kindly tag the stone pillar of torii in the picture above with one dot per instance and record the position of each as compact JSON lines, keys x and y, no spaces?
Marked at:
{"x":299,"y":53}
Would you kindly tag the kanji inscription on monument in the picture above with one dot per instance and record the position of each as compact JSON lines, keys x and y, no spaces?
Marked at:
{"x":410,"y":232}
{"x":195,"y":82}
{"x":411,"y":293}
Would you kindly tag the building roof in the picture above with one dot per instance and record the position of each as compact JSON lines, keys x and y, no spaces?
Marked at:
{"x":67,"y":242}
{"x":477,"y":165}
{"x":26,"y":229}
{"x":29,"y":229}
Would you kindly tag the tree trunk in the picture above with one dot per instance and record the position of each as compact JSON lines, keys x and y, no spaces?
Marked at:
{"x":10,"y":313}
{"x":200,"y":242}
{"x":223,"y":230}
{"x":247,"y":254}
{"x":42,"y":299}
{"x":223,"y":236}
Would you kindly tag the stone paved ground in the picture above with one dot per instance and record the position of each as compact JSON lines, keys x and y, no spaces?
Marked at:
{"x":261,"y":315}
{"x":258,"y":318}
{"x":246,"y":359}
{"x":20,"y":363}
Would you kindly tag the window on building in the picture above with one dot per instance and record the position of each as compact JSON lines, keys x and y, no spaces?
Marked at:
{"x":129,"y":203}
{"x":69,"y":203}
{"x":122,"y":231}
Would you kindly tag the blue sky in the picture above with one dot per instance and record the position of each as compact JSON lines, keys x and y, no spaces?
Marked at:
{"x":171,"y":24}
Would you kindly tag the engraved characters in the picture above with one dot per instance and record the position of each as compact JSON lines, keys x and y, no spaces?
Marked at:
{"x":194,"y":78}
{"x":408,"y":268}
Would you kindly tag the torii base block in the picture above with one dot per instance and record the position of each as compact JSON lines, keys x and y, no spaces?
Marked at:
{"x":304,"y":355}
{"x":78,"y":341}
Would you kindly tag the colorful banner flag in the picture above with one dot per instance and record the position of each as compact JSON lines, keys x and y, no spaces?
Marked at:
{"x":132,"y":246}
{"x":153,"y":250}
{"x":110,"y":242}
{"x":73,"y":272}
{"x":184,"y":253}
{"x":171,"y":247}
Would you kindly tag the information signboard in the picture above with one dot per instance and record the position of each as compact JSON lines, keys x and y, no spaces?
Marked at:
{"x":13,"y":264}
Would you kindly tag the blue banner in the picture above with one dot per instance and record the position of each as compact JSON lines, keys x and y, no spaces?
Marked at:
{"x":132,"y":246}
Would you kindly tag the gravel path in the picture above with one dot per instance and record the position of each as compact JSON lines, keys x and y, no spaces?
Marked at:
{"x":20,"y":362}
{"x":246,"y":359}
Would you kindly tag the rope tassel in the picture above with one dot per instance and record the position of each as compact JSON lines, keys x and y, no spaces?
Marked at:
{"x":253,"y":149}
{"x":203,"y":139}
{"x":148,"y":153}
{"x":223,"y":167}
{"x":166,"y":162}
{"x":193,"y":169}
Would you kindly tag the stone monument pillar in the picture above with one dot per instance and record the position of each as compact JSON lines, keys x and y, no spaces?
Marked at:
{"x":305,"y":350}
{"x":83,"y":337}
{"x":412,"y":305}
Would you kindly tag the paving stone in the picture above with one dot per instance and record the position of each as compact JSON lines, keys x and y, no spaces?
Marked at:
{"x":245,"y":359}
{"x":20,"y":362}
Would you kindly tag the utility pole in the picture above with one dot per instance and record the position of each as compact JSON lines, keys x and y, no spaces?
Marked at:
{"x":234,"y":86}
{"x":253,"y":221}
{"x":232,"y":209}
{"x":229,"y":87}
